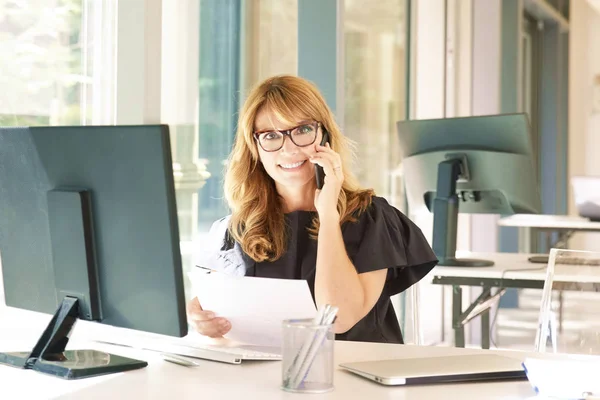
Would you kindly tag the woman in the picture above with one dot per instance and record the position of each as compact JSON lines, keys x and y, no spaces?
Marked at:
{"x":353,"y":248}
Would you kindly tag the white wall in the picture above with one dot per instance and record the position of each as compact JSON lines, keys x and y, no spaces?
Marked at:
{"x":486,"y":97}
{"x":584,"y":124}
{"x":429,"y":102}
{"x":591,"y":94}
{"x":592,"y":91}
{"x":429,"y":78}
{"x":429,"y":53}
{"x":138,"y":69}
{"x":471,"y":86}
{"x":444,"y":87}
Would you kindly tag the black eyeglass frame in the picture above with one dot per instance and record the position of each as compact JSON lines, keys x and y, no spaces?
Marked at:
{"x":288,"y":133}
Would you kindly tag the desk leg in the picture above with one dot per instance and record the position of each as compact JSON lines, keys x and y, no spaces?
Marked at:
{"x":485,"y":329}
{"x":459,"y":328}
{"x":525,"y":240}
{"x":560,"y":311}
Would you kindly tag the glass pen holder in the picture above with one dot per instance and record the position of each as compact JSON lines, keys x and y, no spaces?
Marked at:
{"x":307,"y":356}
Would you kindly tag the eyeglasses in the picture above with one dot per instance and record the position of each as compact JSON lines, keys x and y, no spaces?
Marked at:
{"x":302,"y":135}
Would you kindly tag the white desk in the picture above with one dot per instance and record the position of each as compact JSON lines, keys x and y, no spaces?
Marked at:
{"x":511,"y":270}
{"x":530,"y":224}
{"x":516,"y":267}
{"x":253,"y":380}
{"x":554,"y":222}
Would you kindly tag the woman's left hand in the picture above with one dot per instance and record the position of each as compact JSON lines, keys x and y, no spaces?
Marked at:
{"x":326,"y":199}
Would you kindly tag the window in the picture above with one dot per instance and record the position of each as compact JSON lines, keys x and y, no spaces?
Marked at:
{"x":53,"y":70}
{"x":375,"y":90}
{"x":278,"y":38}
{"x":241,"y":43}
{"x":213,"y":52}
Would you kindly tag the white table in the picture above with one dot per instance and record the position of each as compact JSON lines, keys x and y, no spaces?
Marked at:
{"x":530,"y":224}
{"x":212,"y":380}
{"x":511,"y":270}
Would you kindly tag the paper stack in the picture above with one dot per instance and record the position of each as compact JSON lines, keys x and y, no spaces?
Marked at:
{"x":255,"y":307}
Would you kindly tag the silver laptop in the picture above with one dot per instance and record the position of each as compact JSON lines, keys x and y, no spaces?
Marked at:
{"x":586,"y":190}
{"x":444,"y":369}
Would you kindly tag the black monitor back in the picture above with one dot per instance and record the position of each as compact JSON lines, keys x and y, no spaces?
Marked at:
{"x":504,"y":133}
{"x":499,"y":158}
{"x":481,"y":164}
{"x":127,"y":173}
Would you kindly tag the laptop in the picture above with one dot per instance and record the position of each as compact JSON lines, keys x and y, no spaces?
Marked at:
{"x":586,"y":190}
{"x":441,"y":369}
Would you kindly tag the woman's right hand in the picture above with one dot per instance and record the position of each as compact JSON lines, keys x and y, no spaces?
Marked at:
{"x":205,"y":322}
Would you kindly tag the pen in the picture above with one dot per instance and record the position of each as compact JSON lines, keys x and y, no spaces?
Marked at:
{"x":208,"y":270}
{"x":176,"y":359}
{"x":296,"y":364}
{"x":328,"y":318}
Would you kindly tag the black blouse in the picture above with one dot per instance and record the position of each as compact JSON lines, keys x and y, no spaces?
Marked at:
{"x":382,"y":238}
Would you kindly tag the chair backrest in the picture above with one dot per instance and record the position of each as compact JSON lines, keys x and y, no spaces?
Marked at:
{"x":569,"y":319}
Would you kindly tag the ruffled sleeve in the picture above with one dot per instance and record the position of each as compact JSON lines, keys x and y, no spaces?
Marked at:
{"x":384,"y":238}
{"x":215,"y":251}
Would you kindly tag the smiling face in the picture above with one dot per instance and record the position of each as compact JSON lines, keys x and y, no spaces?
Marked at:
{"x":288,"y":166}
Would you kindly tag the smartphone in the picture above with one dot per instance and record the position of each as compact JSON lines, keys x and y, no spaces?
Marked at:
{"x":319,"y":173}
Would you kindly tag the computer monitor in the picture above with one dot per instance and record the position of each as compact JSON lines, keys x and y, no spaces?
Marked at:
{"x":88,"y":224}
{"x":480,"y":165}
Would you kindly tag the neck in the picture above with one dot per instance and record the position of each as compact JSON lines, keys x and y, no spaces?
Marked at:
{"x":297,"y":198}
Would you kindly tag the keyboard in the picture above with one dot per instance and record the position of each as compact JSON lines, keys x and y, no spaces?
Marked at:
{"x":231,"y":355}
{"x":248,"y":352}
{"x":194,"y":351}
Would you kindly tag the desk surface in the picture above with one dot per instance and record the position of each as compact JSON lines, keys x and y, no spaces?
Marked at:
{"x":211,"y":380}
{"x":550,"y":222}
{"x":516,"y":266}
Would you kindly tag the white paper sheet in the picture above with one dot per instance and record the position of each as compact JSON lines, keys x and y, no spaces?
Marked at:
{"x":564,"y":379}
{"x":255,"y":307}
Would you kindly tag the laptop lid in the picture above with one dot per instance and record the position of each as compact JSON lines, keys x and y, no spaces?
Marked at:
{"x":444,"y":369}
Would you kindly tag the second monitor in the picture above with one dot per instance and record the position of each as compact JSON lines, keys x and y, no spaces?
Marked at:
{"x":88,"y":230}
{"x":477,"y":165}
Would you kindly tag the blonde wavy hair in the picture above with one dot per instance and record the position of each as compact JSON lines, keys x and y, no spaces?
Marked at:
{"x":257,"y":220}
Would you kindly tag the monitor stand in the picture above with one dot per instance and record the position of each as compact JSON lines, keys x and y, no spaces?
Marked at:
{"x":49,"y":356}
{"x":445,"y":214}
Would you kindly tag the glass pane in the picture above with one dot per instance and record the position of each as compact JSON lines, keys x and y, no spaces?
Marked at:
{"x":278,"y":38}
{"x":223,"y":48}
{"x":47,"y":71}
{"x":219,"y":71}
{"x":261,"y":51}
{"x":375,"y":89}
{"x":241,"y":43}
